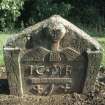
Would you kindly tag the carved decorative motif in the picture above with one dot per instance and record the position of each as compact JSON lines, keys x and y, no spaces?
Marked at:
{"x":49,"y":70}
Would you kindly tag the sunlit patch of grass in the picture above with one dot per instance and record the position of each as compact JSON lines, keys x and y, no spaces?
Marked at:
{"x":101,"y":40}
{"x":3,"y":38}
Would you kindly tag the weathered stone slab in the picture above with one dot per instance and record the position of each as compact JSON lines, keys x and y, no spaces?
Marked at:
{"x":52,"y":57}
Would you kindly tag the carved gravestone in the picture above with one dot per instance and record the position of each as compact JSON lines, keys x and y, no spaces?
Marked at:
{"x":52,"y":57}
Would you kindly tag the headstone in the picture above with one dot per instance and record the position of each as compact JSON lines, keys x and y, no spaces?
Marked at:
{"x":52,"y":57}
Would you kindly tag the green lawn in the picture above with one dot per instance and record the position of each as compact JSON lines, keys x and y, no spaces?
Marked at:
{"x":4,"y":37}
{"x":101,"y":40}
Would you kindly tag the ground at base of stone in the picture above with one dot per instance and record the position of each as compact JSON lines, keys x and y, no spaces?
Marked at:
{"x":95,"y":98}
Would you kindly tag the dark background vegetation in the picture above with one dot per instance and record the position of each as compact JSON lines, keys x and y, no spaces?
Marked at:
{"x":87,"y":14}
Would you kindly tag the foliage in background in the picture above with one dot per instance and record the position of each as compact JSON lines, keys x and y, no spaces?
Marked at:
{"x":88,"y":15}
{"x":9,"y":11}
{"x":36,"y":10}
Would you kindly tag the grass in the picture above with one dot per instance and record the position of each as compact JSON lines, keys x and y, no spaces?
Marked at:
{"x":101,"y":40}
{"x":4,"y":37}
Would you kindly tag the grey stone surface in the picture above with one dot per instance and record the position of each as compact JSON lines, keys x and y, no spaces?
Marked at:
{"x":52,"y":57}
